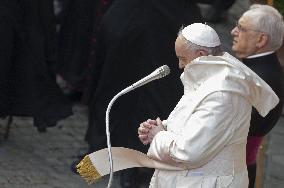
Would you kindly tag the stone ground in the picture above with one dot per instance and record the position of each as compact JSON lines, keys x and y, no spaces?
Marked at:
{"x":273,"y":172}
{"x":29,"y":159}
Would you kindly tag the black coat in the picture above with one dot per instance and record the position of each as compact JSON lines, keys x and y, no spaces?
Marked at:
{"x":74,"y":41}
{"x":136,"y":37}
{"x":269,"y":69}
{"x":27,"y":51}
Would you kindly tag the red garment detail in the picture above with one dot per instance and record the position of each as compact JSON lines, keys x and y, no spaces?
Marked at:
{"x":253,"y":143}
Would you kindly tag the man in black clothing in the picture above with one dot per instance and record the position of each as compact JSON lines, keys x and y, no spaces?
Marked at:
{"x":257,"y":35}
{"x":27,"y":54}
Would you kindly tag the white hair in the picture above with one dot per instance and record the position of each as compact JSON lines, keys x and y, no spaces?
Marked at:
{"x":267,"y":19}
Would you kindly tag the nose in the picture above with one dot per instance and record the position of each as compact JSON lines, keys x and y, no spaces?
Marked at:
{"x":234,"y":31}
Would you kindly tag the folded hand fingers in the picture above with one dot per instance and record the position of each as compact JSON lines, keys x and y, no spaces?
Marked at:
{"x":146,"y":125}
{"x":142,"y":130}
{"x":144,"y":139}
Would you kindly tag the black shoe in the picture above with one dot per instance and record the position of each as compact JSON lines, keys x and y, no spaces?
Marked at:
{"x":74,"y":166}
{"x":42,"y":123}
{"x":76,"y":162}
{"x":41,"y":129}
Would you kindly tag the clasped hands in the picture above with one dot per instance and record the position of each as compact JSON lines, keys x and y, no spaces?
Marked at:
{"x":148,"y":129}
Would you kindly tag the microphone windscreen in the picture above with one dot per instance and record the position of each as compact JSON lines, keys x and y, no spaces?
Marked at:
{"x":165,"y":70}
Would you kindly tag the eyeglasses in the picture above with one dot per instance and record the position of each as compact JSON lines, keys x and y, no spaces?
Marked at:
{"x":243,"y":29}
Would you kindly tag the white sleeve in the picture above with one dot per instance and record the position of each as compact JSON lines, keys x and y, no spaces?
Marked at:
{"x":208,"y":130}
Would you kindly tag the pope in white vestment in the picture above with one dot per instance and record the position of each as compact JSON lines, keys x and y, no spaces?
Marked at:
{"x":207,"y":131}
{"x":202,"y":143}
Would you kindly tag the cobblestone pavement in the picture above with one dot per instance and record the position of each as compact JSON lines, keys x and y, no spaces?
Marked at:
{"x":29,"y":159}
{"x":274,"y":157}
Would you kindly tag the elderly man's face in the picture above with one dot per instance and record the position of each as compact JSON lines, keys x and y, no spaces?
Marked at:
{"x":245,"y":38}
{"x":184,"y":55}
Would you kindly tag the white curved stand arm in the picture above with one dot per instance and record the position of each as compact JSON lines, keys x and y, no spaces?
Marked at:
{"x":108,"y":132}
{"x":157,"y":74}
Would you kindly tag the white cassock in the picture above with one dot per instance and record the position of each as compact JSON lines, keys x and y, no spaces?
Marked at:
{"x":204,"y":142}
{"x":207,"y":131}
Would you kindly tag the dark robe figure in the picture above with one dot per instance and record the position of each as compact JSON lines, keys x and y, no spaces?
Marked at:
{"x":269,"y":69}
{"x":79,"y":23}
{"x":135,"y":38}
{"x":27,"y":53}
{"x":218,"y":9}
{"x":74,"y":41}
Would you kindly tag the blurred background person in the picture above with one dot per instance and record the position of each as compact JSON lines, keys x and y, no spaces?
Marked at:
{"x":256,"y":38}
{"x":27,"y":55}
{"x":217,"y":11}
{"x":78,"y":25}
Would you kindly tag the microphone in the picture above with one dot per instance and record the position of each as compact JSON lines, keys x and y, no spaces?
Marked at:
{"x":157,"y":74}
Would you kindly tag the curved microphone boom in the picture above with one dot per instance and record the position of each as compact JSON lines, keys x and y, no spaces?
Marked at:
{"x":157,"y":74}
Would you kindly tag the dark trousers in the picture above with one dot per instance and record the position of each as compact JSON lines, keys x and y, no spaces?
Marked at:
{"x":252,"y":175}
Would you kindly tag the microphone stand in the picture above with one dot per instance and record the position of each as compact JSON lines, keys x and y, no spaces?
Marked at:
{"x":108,"y":132}
{"x":157,"y":74}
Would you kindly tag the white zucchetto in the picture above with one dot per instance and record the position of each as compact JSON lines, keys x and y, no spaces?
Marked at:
{"x":201,"y":34}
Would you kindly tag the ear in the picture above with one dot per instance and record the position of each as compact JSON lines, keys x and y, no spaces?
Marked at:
{"x":202,"y":53}
{"x":262,"y":40}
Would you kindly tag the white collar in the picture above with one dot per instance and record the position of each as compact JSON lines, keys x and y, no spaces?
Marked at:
{"x":259,"y":55}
